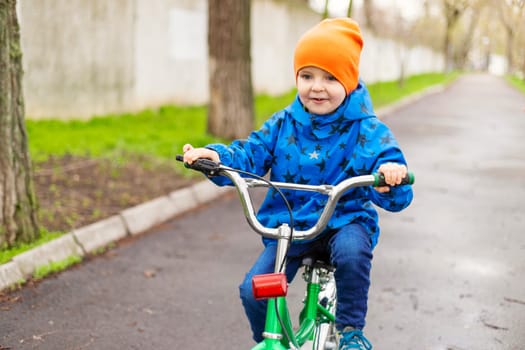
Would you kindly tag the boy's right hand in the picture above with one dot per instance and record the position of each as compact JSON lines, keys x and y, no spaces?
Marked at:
{"x":191,"y":154}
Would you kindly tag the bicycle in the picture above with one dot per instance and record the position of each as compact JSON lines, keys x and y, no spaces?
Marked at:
{"x":316,"y":328}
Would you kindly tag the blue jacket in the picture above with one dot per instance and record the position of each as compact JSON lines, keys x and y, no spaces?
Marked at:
{"x":296,"y":146}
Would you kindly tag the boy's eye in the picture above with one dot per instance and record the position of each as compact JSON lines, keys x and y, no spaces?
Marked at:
{"x":331,"y":77}
{"x":305,"y":76}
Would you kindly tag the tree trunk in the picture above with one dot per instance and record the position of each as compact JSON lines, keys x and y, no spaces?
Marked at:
{"x":230,"y":112}
{"x":453,"y":9}
{"x":509,"y":49}
{"x":17,"y":199}
{"x":350,"y":8}
{"x":523,"y":65}
{"x":325,"y":9}
{"x":368,"y":8}
{"x":451,"y":17}
{"x":464,"y":49}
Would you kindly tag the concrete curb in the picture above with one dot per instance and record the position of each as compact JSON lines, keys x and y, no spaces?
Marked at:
{"x":10,"y":275}
{"x":90,"y":238}
{"x":140,"y":218}
{"x":54,"y":251}
{"x":100,"y":234}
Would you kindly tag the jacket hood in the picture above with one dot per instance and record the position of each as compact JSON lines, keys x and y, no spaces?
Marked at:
{"x":355,"y":106}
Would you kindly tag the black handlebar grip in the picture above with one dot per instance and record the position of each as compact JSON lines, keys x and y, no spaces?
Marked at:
{"x":380,"y":180}
{"x":180,"y":158}
{"x":207,"y":166}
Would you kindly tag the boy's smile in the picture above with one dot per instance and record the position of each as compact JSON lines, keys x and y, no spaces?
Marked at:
{"x":319,"y":91}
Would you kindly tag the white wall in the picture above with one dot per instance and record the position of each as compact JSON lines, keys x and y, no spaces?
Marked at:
{"x":170,"y":52}
{"x":83,"y":58}
{"x":76,"y":56}
{"x":383,"y":59}
{"x":276,"y":27}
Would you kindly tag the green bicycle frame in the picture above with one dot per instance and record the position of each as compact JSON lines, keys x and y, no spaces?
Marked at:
{"x":310,"y":316}
{"x":278,"y":332}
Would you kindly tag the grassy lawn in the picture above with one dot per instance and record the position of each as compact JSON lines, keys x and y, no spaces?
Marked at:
{"x":517,"y":82}
{"x":160,"y":133}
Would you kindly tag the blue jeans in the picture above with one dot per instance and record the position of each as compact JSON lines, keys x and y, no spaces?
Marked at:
{"x":350,"y":252}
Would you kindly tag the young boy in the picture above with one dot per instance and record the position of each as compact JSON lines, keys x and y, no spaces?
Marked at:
{"x":329,"y":133}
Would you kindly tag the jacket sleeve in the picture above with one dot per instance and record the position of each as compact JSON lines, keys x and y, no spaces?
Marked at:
{"x":378,"y":147}
{"x":399,"y":197}
{"x":254,"y":154}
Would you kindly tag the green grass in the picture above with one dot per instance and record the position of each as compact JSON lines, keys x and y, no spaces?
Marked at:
{"x":161,"y":132}
{"x":43,"y":271}
{"x":517,"y":82}
{"x":8,"y":254}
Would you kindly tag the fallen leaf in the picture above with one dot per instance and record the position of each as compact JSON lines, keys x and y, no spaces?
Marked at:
{"x":149,"y":273}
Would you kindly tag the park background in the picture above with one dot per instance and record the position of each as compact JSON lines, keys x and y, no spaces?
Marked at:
{"x":136,"y":74}
{"x":126,"y":55}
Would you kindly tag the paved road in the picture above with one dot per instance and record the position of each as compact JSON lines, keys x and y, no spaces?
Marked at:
{"x":449,"y":272}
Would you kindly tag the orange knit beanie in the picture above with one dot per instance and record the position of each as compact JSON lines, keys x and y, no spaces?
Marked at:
{"x":335,"y":46}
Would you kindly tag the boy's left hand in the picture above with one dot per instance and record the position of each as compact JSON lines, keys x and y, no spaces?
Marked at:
{"x":394,"y":174}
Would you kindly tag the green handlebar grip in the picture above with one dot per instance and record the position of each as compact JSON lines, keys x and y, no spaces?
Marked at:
{"x":380,"y":180}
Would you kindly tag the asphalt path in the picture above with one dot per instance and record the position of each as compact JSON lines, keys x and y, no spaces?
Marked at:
{"x":448,"y":273}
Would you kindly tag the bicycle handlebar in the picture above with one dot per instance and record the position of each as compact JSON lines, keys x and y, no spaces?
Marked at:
{"x":333,"y":192}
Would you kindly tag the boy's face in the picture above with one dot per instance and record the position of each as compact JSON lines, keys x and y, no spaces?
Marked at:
{"x":319,"y":91}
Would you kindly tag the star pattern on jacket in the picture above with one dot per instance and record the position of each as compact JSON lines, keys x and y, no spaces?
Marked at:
{"x":321,"y":165}
{"x":364,"y":108}
{"x":386,"y":140}
{"x":314,"y":155}
{"x":303,"y":181}
{"x":289,"y":177}
{"x":344,"y":162}
{"x":362,"y":140}
{"x":335,"y":128}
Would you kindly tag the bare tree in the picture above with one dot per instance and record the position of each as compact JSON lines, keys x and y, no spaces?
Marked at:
{"x":17,"y":198}
{"x":427,"y":30}
{"x":465,"y":40}
{"x":452,"y":10}
{"x":350,"y":8}
{"x":368,"y":9}
{"x":511,"y":13}
{"x":520,"y":45}
{"x":325,"y":9}
{"x":231,"y":94}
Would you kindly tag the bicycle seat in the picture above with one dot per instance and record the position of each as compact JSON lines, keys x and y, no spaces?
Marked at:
{"x":318,"y":260}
